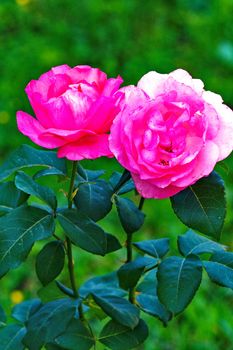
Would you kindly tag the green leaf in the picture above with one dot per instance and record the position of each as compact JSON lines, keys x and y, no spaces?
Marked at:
{"x":192,"y":243}
{"x":94,"y":199}
{"x":130,"y":273}
{"x":76,"y":334}
{"x":26,"y":184}
{"x":89,"y":175}
{"x":50,"y":292}
{"x":202,"y":206}
{"x":48,"y":172}
{"x":50,"y":262}
{"x":2,"y":317}
{"x":11,"y":337}
{"x":147,"y":299}
{"x":151,"y":305}
{"x":178,"y":280}
{"x":51,"y":346}
{"x":119,"y":309}
{"x":26,"y":156}
{"x":112,"y":243}
{"x":154,"y":247}
{"x":10,"y":197}
{"x":105,"y":284}
{"x":130,"y":216}
{"x":118,"y":337}
{"x":21,"y":312}
{"x":126,"y":187}
{"x":220,"y":269}
{"x":83,"y":232}
{"x":49,"y":322}
{"x":19,"y":230}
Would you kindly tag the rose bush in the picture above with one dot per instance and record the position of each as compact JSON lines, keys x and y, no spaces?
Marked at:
{"x":74,"y":110}
{"x":170,"y":132}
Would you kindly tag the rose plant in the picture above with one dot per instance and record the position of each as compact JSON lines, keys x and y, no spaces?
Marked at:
{"x":167,"y":133}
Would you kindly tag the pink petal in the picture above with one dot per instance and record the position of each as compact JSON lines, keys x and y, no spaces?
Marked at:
{"x":204,"y":164}
{"x":184,"y":77}
{"x":147,"y":190}
{"x":111,"y":86}
{"x":89,"y":147}
{"x":224,"y":137}
{"x":152,"y":83}
{"x":30,"y":127}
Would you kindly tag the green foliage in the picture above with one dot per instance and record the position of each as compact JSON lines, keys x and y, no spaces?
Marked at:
{"x":192,"y":243}
{"x":24,"y":225}
{"x":26,"y":157}
{"x":50,"y":262}
{"x":119,"y":309}
{"x":130,"y":216}
{"x":76,"y":334}
{"x":26,"y":184}
{"x":220,"y":269}
{"x":118,"y":337}
{"x":202,"y":206}
{"x":10,"y":197}
{"x":49,"y":322}
{"x":94,"y":199}
{"x":178,"y":281}
{"x":11,"y":337}
{"x":85,"y":233}
{"x":154,"y":247}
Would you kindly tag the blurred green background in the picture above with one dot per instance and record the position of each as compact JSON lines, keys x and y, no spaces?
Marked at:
{"x":126,"y":37}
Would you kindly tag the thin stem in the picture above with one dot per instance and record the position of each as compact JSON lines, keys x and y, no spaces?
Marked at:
{"x":129,"y":247}
{"x":69,"y":244}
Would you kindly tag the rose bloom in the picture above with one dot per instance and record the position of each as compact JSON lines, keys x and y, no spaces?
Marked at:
{"x":74,"y":110}
{"x":170,"y":132}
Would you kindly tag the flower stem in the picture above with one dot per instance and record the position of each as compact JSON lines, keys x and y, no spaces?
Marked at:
{"x":69,"y":244}
{"x":129,"y":246}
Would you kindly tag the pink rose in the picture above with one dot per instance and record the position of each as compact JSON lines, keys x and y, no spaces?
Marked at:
{"x":74,"y":110}
{"x":170,"y":132}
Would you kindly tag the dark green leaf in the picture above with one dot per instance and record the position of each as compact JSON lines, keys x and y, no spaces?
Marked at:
{"x":51,"y":346}
{"x":77,"y":335}
{"x":50,"y":292}
{"x":130,"y":273}
{"x":83,"y":232}
{"x":94,"y":199}
{"x":119,"y":309}
{"x":49,"y":322}
{"x":50,"y":262}
{"x":89,"y":175}
{"x":26,"y":184}
{"x":192,"y":243}
{"x":151,"y":305}
{"x":112,"y":243}
{"x":146,"y":295}
{"x":2,"y":317}
{"x":118,"y":337}
{"x":178,"y":281}
{"x":10,"y":197}
{"x":154,"y":247}
{"x":47,"y":172}
{"x":11,"y":337}
{"x":64,"y":289}
{"x":130,"y":216}
{"x":105,"y":284}
{"x":202,"y":206}
{"x":220,"y":269}
{"x":126,"y":187}
{"x":26,"y":156}
{"x":19,"y":230}
{"x":21,"y":312}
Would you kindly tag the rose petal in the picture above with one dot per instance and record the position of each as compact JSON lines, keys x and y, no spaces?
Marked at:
{"x":30,"y":127}
{"x":89,"y":147}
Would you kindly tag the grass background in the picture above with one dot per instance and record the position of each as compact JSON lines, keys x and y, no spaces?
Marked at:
{"x":126,"y":37}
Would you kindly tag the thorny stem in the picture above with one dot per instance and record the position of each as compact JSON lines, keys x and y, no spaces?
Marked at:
{"x":69,"y":244}
{"x":129,"y":247}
